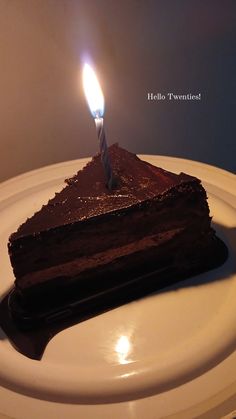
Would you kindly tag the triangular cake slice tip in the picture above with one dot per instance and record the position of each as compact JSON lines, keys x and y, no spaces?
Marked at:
{"x":86,"y":195}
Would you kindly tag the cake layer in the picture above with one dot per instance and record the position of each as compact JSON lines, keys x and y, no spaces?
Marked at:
{"x":176,"y":257}
{"x":81,"y":265}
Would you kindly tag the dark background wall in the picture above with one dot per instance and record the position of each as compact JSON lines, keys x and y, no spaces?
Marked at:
{"x":138,"y":46}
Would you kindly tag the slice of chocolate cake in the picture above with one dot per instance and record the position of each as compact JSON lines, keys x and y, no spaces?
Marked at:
{"x":88,"y":238}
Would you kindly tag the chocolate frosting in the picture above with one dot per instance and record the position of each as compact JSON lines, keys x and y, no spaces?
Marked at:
{"x":86,"y":195}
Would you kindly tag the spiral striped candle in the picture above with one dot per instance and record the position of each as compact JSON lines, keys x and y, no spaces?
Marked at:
{"x":95,"y":101}
{"x":104,"y":153}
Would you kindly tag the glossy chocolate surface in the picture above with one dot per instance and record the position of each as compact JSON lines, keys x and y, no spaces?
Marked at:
{"x":86,"y":195}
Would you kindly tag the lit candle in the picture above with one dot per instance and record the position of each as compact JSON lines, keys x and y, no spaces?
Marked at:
{"x":95,"y":99}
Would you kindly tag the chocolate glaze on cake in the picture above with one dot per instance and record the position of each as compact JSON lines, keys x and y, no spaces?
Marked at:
{"x":91,"y":236}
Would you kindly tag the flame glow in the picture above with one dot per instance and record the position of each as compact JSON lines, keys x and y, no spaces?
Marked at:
{"x":93,"y":92}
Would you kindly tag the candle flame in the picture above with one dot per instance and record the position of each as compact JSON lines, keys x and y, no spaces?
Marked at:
{"x":93,"y":92}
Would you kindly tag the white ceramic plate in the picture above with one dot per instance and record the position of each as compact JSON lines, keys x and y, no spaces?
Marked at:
{"x":140,"y":349}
